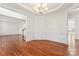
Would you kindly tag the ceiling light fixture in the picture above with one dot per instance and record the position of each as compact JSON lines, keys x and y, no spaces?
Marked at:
{"x":40,"y":8}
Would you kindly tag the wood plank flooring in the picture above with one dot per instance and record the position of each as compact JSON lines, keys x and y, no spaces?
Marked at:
{"x":15,"y":46}
{"x":77,"y":47}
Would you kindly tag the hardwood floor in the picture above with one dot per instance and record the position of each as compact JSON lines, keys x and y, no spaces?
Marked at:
{"x":77,"y":47}
{"x":14,"y":46}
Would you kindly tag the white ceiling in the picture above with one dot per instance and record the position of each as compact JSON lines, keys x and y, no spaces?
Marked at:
{"x":51,"y":6}
{"x":25,"y":8}
{"x":10,"y":19}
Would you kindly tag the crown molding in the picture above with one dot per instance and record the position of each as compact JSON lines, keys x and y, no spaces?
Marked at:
{"x":49,"y":11}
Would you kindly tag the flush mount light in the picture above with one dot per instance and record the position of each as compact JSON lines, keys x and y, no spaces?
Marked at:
{"x":40,"y":8}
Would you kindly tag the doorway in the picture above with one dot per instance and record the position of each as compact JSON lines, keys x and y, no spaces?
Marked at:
{"x":73,"y":32}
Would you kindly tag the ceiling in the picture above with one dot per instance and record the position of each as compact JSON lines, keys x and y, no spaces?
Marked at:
{"x":51,"y":6}
{"x":10,"y":19}
{"x":27,"y":8}
{"x":24,"y":8}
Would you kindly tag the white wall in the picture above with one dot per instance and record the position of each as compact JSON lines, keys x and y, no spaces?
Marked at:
{"x":10,"y":25}
{"x":8,"y":28}
{"x":10,"y":22}
{"x":52,"y":27}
